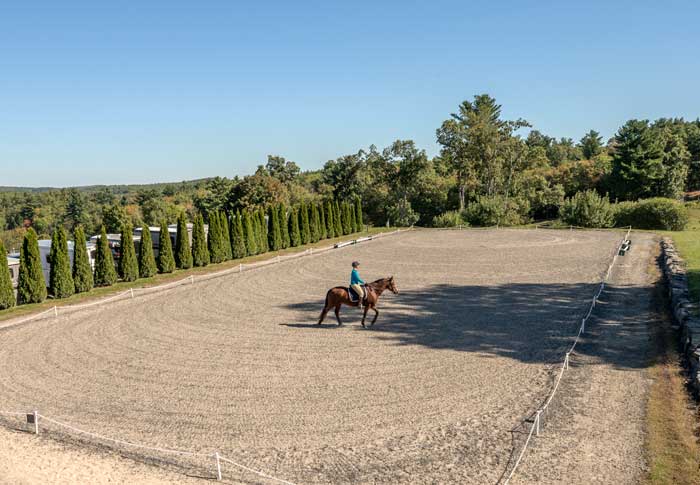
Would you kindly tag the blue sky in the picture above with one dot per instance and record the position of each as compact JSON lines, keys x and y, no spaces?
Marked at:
{"x":136,"y":92}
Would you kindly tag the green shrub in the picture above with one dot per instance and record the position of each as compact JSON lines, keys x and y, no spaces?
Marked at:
{"x":147,"y":261}
{"x":401,"y":214}
{"x":60,"y":278}
{"x":330,"y":224}
{"x":105,"y":272}
{"x":284,"y":225}
{"x":166,"y":260}
{"x":128,"y":263}
{"x":82,"y":272}
{"x":358,"y":213}
{"x":496,"y":210}
{"x":587,"y":209}
{"x":657,"y":213}
{"x":237,"y":236}
{"x":7,"y":293}
{"x":449,"y":219}
{"x":294,"y":232}
{"x":31,"y":286}
{"x":183,"y":252}
{"x":200,"y":251}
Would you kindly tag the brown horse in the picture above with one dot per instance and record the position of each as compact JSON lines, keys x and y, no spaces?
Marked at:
{"x":339,"y":296}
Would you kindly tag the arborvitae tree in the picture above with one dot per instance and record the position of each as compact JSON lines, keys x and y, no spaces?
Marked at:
{"x":238,"y":237}
{"x":322,"y":222}
{"x":183,"y":252}
{"x":105,"y":273}
{"x":353,"y":220}
{"x":200,"y":252}
{"x":347,"y":218}
{"x":262,"y":228}
{"x":7,"y":293}
{"x":147,"y":261}
{"x":284,"y":227}
{"x":330,"y":224}
{"x":225,"y":236}
{"x":274,"y":231}
{"x":60,"y":278}
{"x":304,"y":222}
{"x":166,"y":261}
{"x":128,"y":265}
{"x":251,"y":238}
{"x":337,"y":220}
{"x":314,"y":222}
{"x":294,"y":234}
{"x":214,"y":238}
{"x":358,"y":214}
{"x":82,"y":271}
{"x":31,"y":286}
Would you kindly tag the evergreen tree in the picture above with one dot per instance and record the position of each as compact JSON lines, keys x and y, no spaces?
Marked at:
{"x":238,"y":237}
{"x":183,"y":252}
{"x":304,"y":223}
{"x":128,"y":265}
{"x":225,"y":236}
{"x":337,"y":221}
{"x":330,"y":224}
{"x":347,"y":222}
{"x":105,"y":273}
{"x":7,"y":293}
{"x":166,"y":261}
{"x":274,"y":231}
{"x":322,"y":222}
{"x":294,"y":234}
{"x":200,"y":252}
{"x":262,"y":228}
{"x":358,"y":214}
{"x":251,"y":239}
{"x":284,"y":226}
{"x":147,"y":261}
{"x":60,"y":278}
{"x":82,"y":271}
{"x":214,"y":239}
{"x":353,"y":219}
{"x":31,"y":286}
{"x":314,"y":223}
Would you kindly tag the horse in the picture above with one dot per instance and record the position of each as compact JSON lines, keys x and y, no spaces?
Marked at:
{"x":339,"y":295}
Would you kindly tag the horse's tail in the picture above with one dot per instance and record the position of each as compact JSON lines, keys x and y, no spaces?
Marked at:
{"x":328,"y":294}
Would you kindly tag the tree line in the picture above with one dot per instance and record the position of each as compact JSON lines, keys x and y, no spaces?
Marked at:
{"x":230,"y":235}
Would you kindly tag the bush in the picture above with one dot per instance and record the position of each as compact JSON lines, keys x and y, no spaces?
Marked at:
{"x":7,"y":293}
{"x":657,"y":213}
{"x":449,"y":219}
{"x":82,"y":272}
{"x":105,"y":272}
{"x":401,"y":214}
{"x":588,"y":209}
{"x":147,"y":261}
{"x":60,"y":278}
{"x":496,"y":210}
{"x":31,"y":286}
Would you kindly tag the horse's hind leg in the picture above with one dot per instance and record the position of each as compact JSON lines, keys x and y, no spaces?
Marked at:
{"x":324,"y":312}
{"x":364,"y":315}
{"x":337,"y":314}
{"x":376,"y":314}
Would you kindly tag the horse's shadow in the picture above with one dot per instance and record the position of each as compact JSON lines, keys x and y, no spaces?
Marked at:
{"x":313,"y":325}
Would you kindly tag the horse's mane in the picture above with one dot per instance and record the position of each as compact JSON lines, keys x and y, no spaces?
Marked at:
{"x":379,"y":282}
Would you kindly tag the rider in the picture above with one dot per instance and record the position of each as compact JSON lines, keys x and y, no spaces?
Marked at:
{"x":356,"y":282}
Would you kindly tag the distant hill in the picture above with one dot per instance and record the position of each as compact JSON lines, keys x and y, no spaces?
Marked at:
{"x":116,"y":189}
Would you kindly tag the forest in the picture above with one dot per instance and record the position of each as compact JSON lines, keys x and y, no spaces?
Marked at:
{"x":489,"y":170}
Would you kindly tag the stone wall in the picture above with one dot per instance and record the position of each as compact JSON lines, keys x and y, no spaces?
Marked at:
{"x":688,"y":324}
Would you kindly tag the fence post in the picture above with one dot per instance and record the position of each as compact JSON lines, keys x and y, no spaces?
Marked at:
{"x":566,"y":361}
{"x":240,"y":267}
{"x":36,"y":422}
{"x":311,"y":251}
{"x":537,"y":422}
{"x":278,"y":258}
{"x":132,"y":293}
{"x":55,"y":311}
{"x":192,"y":278}
{"x":218,"y":466}
{"x":583,"y":325}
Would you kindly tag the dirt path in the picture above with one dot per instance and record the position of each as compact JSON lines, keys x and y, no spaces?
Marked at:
{"x":237,"y":364}
{"x":595,"y":433}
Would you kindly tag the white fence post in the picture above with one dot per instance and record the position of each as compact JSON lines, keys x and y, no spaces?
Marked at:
{"x":36,"y":422}
{"x":566,"y":361}
{"x":55,"y":311}
{"x":537,"y":422}
{"x":132,"y":293}
{"x":218,"y":466}
{"x":583,"y":325}
{"x":192,"y":278}
{"x":240,"y":267}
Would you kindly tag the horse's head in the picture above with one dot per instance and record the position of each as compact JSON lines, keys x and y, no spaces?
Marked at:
{"x":392,"y":286}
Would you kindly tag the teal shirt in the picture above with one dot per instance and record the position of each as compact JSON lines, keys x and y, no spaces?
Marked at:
{"x":355,"y":278}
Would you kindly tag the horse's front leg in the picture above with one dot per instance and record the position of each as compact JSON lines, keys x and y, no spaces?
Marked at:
{"x":323,"y":315}
{"x":364,"y":315}
{"x":376,"y":314}
{"x":337,"y":314}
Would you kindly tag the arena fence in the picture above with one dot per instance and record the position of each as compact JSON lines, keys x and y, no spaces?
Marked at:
{"x":38,"y":421}
{"x":536,"y":418}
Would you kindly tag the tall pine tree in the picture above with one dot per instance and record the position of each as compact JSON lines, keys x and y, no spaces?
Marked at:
{"x":322,"y":221}
{"x":214,"y":239}
{"x":284,"y":227}
{"x":82,"y":270}
{"x":315,"y":223}
{"x":225,"y":236}
{"x":238,"y":237}
{"x":358,"y":214}
{"x":262,"y":228}
{"x":60,"y":278}
{"x":294,"y":234}
{"x":105,"y":273}
{"x":353,"y":220}
{"x":128,"y":264}
{"x":147,"y":261}
{"x":200,"y":252}
{"x":251,"y":238}
{"x":7,"y":293}
{"x":166,"y":261}
{"x":31,"y":286}
{"x":337,"y":220}
{"x":304,"y":223}
{"x":183,"y":252}
{"x":330,"y":224}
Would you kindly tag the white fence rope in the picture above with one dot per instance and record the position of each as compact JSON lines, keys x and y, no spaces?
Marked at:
{"x":535,"y":427}
{"x":188,"y":280}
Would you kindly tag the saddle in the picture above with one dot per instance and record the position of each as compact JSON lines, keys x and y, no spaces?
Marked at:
{"x":354,"y":297}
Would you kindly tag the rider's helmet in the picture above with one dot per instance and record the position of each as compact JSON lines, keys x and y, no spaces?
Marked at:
{"x":355,"y":264}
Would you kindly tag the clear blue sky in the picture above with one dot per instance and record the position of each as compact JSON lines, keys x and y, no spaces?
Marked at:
{"x":135,"y":92}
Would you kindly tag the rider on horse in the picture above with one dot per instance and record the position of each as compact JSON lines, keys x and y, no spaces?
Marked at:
{"x":356,"y":282}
